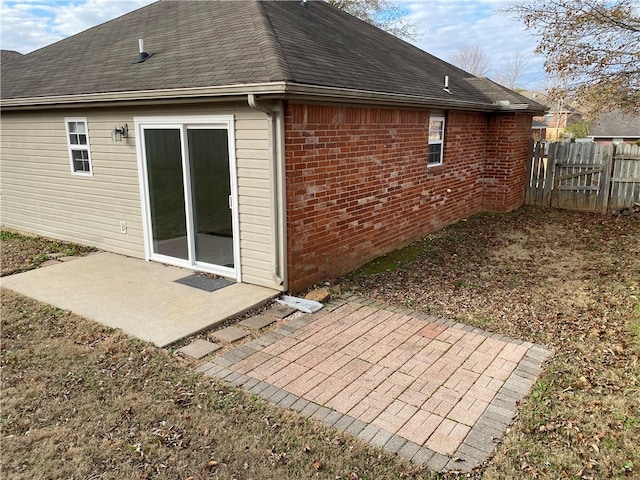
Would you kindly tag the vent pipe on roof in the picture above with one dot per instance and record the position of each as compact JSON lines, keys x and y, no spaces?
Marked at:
{"x":142,"y":56}
{"x":446,"y":85}
{"x":304,"y":3}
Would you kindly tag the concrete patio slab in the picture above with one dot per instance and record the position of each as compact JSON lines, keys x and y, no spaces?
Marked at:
{"x":139,"y":297}
{"x":437,"y":392}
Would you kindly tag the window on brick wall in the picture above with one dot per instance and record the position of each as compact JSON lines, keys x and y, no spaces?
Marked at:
{"x":436,"y":141}
{"x":78,"y":145}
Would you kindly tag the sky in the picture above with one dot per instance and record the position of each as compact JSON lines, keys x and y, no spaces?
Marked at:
{"x":444,"y":26}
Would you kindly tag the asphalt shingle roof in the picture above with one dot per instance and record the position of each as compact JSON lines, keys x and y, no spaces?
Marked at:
{"x":213,"y":43}
{"x":8,"y":55}
{"x":616,"y":124}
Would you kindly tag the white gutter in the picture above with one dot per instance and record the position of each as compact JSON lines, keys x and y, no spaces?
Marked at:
{"x":276,"y":177}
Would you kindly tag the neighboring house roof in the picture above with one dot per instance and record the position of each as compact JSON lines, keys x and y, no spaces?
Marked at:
{"x":538,"y":125}
{"x":8,"y":55}
{"x":616,"y":124}
{"x":553,"y":106}
{"x":221,"y":47}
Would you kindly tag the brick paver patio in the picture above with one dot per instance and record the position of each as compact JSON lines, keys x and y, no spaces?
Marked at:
{"x":430,"y":390}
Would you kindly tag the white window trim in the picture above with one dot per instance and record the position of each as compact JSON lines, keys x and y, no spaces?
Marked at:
{"x":440,"y":142}
{"x":71,"y":147}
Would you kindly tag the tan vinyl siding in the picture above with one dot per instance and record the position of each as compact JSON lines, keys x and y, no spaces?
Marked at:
{"x":254,"y":197}
{"x":40,"y":195}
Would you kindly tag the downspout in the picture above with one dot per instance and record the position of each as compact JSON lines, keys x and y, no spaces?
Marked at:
{"x":276,"y":174}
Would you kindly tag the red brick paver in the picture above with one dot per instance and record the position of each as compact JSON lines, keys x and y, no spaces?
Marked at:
{"x":423,"y":381}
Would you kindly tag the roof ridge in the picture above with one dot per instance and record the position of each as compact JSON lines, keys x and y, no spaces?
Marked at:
{"x":273,"y":55}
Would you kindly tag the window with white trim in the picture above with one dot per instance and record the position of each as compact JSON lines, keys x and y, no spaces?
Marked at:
{"x":78,"y":144}
{"x":436,"y":141}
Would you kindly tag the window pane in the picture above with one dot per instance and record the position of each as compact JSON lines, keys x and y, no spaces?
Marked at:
{"x":82,"y":139}
{"x":80,"y":161}
{"x":435,"y":130}
{"x":73,"y":139}
{"x":81,"y":127}
{"x":435,"y":154}
{"x":166,"y":192}
{"x":211,"y":188}
{"x":72,"y":127}
{"x":80,"y":155}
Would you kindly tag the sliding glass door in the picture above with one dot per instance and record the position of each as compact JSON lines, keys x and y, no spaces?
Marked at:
{"x":190,"y":193}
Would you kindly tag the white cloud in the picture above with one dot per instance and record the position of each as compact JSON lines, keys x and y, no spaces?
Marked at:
{"x":22,"y":30}
{"x":448,"y":25}
{"x":78,"y":17}
{"x":31,"y":24}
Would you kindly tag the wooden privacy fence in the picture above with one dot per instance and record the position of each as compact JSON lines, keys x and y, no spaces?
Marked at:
{"x":590,"y":177}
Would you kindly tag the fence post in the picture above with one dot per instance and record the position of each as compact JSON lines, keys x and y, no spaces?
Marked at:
{"x":528,"y":186}
{"x":549,"y":172}
{"x":609,"y":157}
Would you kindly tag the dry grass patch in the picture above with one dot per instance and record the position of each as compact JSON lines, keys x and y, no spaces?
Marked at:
{"x":24,"y":252}
{"x":564,"y":279}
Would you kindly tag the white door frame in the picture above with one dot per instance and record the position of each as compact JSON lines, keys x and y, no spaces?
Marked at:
{"x":182,"y":123}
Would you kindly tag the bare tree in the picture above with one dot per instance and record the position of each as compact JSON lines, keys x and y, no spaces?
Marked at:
{"x":471,"y":59}
{"x":384,"y":14}
{"x":593,"y":45}
{"x":512,"y":68}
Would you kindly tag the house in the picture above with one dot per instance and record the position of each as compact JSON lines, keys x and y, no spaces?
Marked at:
{"x":615,"y":127}
{"x":276,"y":143}
{"x":557,"y":118}
{"x":538,"y":130}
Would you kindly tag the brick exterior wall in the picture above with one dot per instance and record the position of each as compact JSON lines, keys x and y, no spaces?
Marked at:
{"x":508,"y":145}
{"x":358,"y":185}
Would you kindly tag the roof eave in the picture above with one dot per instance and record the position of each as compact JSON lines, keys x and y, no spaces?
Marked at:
{"x":519,"y":107}
{"x":353,"y":96}
{"x":143,"y":95}
{"x":280,"y":89}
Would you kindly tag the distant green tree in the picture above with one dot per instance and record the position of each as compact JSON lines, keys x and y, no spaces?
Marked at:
{"x":577,"y":130}
{"x":384,"y":14}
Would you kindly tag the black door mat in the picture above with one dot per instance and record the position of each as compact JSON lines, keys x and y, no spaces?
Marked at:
{"x":204,"y":283}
